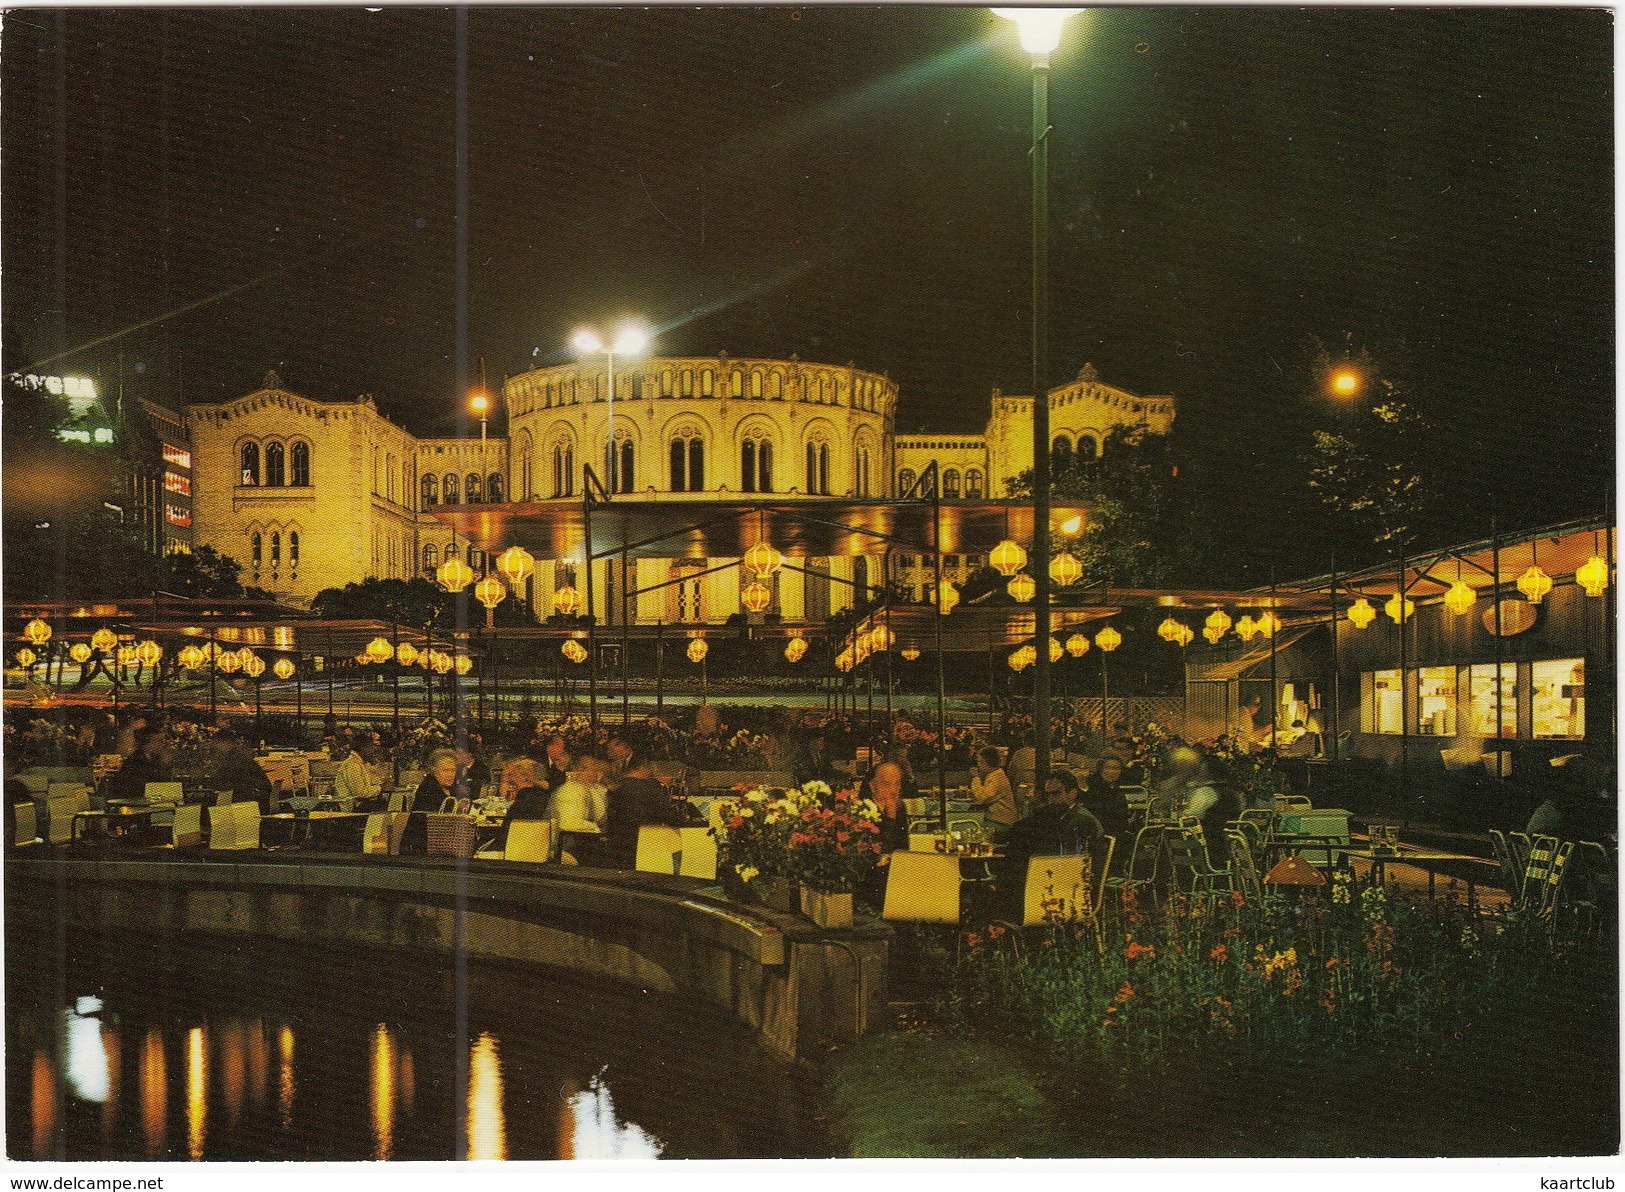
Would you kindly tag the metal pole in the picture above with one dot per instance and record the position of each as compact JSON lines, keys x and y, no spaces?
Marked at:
{"x":1041,"y":461}
{"x":660,"y":669}
{"x":626,"y":640}
{"x":592,"y":620}
{"x":1337,"y":673}
{"x":1275,"y":686}
{"x":1404,"y":696}
{"x":942,"y":662}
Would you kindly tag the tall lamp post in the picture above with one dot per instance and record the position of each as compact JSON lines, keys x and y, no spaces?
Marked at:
{"x":1040,"y":30}
{"x":631,"y":339}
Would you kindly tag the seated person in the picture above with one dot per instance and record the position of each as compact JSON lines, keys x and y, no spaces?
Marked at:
{"x":640,"y":799}
{"x":1102,"y":797}
{"x":580,"y":807}
{"x":235,"y":770}
{"x":439,"y":783}
{"x":150,"y":762}
{"x":357,"y":783}
{"x":473,"y":775}
{"x":524,"y":794}
{"x":1058,"y":827}
{"x":990,"y":790}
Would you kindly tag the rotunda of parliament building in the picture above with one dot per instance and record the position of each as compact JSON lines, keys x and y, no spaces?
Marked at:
{"x":310,"y":494}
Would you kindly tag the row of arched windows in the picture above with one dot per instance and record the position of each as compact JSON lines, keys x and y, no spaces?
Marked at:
{"x":754,"y":383}
{"x":951,"y":482}
{"x":282,"y":466}
{"x":260,"y":559}
{"x":447,"y":491}
{"x":1063,"y":450}
{"x":478,"y":561}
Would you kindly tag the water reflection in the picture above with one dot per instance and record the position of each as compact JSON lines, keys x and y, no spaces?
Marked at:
{"x":197,"y":1090}
{"x":383,"y":1093}
{"x":487,"y":1129}
{"x":591,"y":1129}
{"x":154,"y":1093}
{"x":206,"y":1068}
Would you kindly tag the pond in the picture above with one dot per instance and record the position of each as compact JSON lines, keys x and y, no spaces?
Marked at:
{"x":195,"y":1048}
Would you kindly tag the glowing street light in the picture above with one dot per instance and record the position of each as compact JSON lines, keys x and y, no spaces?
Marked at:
{"x":631,"y":339}
{"x":480,"y":406}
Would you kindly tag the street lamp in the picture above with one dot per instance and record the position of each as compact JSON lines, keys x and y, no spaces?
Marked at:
{"x":1040,"y":31}
{"x":480,"y":406}
{"x":631,"y":339}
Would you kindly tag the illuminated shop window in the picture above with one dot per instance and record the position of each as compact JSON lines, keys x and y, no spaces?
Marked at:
{"x":1382,"y":702}
{"x":1558,"y":693}
{"x":1436,"y":701}
{"x":1489,"y":699}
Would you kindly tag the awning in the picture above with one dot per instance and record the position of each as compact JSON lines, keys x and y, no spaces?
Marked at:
{"x":1238,"y":668}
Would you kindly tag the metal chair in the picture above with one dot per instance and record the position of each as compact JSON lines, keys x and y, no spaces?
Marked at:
{"x":1058,"y":889}
{"x":1511,"y":875}
{"x":1144,"y":861}
{"x":1519,"y":845}
{"x":1541,"y":851}
{"x":1589,"y":897}
{"x":1187,"y":855}
{"x":922,"y":888}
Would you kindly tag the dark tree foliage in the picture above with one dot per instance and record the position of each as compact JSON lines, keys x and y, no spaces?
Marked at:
{"x":415,"y":602}
{"x":1372,"y":472}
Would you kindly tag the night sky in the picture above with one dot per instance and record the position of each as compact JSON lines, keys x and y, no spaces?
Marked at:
{"x":1230,"y":185}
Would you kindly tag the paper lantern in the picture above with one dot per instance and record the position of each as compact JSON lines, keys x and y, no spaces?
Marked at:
{"x":843,"y":661}
{"x":1534,"y":584}
{"x":1219,"y":621}
{"x":442,"y":662}
{"x":566,"y":601}
{"x":1108,"y":639}
{"x":763,"y":559}
{"x":1267,"y":623}
{"x":574,"y":651}
{"x":756,"y":596}
{"x":1398,"y":608}
{"x":148,"y":653}
{"x":228,"y":663}
{"x":1055,"y":650}
{"x":1077,"y":645}
{"x":1065,"y":569}
{"x":26,"y":658}
{"x":697,"y":649}
{"x":516,"y":564}
{"x":362,"y":658}
{"x":910,"y":653}
{"x":795,"y":649}
{"x":1593,"y":576}
{"x":1170,"y":630}
{"x":454,"y":575}
{"x":1008,"y":558}
{"x":1246,"y":629}
{"x":1213,"y":633}
{"x":379,"y":649}
{"x":253,"y":666}
{"x":1460,"y":598}
{"x":37,"y":631}
{"x":1186,"y":636}
{"x":80,"y":653}
{"x":463,"y":664}
{"x":126,"y":654}
{"x":284,"y":668}
{"x":104,"y":639}
{"x":406,"y":653}
{"x":1022,"y":588}
{"x":490,"y":592}
{"x":1361,"y":614}
{"x":947,"y":597}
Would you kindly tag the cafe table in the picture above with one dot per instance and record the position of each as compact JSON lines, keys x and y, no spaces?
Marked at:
{"x":119,"y":821}
{"x":286,"y":825}
{"x":1427,"y":860}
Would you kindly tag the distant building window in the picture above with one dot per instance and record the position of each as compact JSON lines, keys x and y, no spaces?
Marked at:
{"x":471,"y":489}
{"x":251,"y":463}
{"x":256,"y":548}
{"x":431,"y":488}
{"x":563,"y":470}
{"x":276,"y":548}
{"x":1088,"y":447}
{"x":175,"y":483}
{"x":293,"y":548}
{"x":905,"y":481}
{"x":950,"y":483}
{"x":177,"y":515}
{"x":300,"y":461}
{"x":493,"y":488}
{"x":431,"y":558}
{"x":756,"y":465}
{"x":687,"y":465}
{"x":449,"y":489}
{"x":177,"y":457}
{"x":275,"y":470}
{"x":1061,"y":452}
{"x":973,"y":483}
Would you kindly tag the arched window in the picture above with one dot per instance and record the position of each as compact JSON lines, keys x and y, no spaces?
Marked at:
{"x":256,"y":548}
{"x":708,"y":381}
{"x":300,"y":462}
{"x":430,"y":487}
{"x":905,"y":481}
{"x":293,"y":548}
{"x":823,"y":469}
{"x":739,"y":383}
{"x":251,"y":463}
{"x":973,"y":482}
{"x":1088,"y":447}
{"x":563,"y":469}
{"x":275,"y":466}
{"x":747,"y":465}
{"x":493,"y":488}
{"x":950,"y":483}
{"x":431,"y":558}
{"x":812,"y":467}
{"x":756,"y":465}
{"x":688,"y":382}
{"x":471,"y":488}
{"x":1061,"y":452}
{"x":687,"y":459}
{"x":276,"y":549}
{"x":775,"y":385}
{"x":621,"y":473}
{"x":449,"y":490}
{"x":526,"y":488}
{"x":756,"y":382}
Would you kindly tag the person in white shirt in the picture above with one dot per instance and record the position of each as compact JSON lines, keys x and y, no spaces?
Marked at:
{"x":357,"y":780}
{"x":990,"y":790}
{"x":580,"y":807}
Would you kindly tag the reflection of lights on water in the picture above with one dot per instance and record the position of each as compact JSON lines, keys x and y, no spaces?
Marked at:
{"x":284,"y":1080}
{"x":197,"y":1091}
{"x":595,"y":1133}
{"x":42,"y":1105}
{"x":232,"y":1059}
{"x":256,"y":1062}
{"x":154,"y":1093}
{"x":84,"y":1057}
{"x":383,"y":1093}
{"x":487,"y":1131}
{"x":408,"y":1081}
{"x":112,"y":1044}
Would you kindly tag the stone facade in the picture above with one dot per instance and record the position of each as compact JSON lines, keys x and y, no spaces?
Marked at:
{"x":310,"y":494}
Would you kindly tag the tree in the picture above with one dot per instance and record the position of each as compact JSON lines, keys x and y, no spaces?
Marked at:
{"x":415,"y":602}
{"x":205,"y":573}
{"x":1139,"y":525}
{"x":1373,"y":473}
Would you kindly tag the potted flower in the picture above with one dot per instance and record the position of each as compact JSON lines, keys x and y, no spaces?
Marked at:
{"x":833,"y":843}
{"x":752,"y":832}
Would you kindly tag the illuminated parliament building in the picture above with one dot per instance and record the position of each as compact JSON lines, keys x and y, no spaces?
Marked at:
{"x":311,"y":494}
